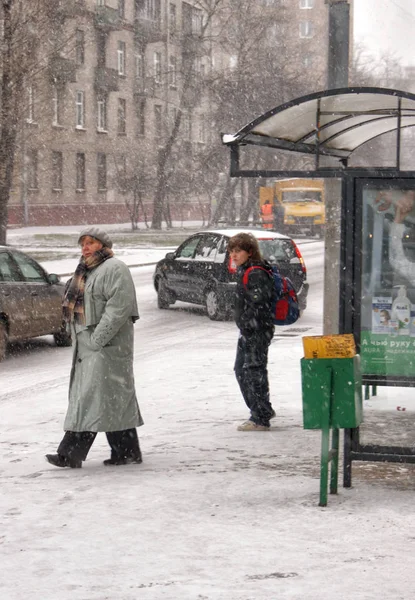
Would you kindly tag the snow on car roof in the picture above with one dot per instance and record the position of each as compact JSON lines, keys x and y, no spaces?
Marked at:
{"x":260,"y":234}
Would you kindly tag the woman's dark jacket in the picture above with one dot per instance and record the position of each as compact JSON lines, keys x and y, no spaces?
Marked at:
{"x":253,"y":301}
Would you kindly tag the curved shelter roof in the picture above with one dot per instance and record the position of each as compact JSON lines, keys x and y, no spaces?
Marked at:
{"x":332,"y":122}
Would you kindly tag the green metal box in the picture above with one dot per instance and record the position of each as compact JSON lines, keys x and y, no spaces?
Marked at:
{"x":332,"y":392}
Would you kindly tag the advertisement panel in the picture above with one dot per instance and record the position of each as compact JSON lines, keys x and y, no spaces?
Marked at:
{"x":387,"y":340}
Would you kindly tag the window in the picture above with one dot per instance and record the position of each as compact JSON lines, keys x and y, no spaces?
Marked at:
{"x":202,"y":129}
{"x":197,"y":21}
{"x":148,"y":9}
{"x":122,"y":116}
{"x":121,"y":8}
{"x":57,"y":103}
{"x":187,"y":126}
{"x":121,"y":58}
{"x":157,"y":120}
{"x":100,"y":2}
{"x":191,"y":19}
{"x":31,"y":169}
{"x":139,"y":66}
{"x":79,"y":47}
{"x":8,"y":269}
{"x":207,"y":248}
{"x":141,"y":120}
{"x":102,"y":171}
{"x":102,"y":113}
{"x":307,"y":60}
{"x":199,"y":69}
{"x":173,"y":17}
{"x":172,"y":72}
{"x":221,"y":252}
{"x":173,"y":116}
{"x":31,"y":270}
{"x":306,"y":3}
{"x":80,"y":171}
{"x":306,"y":29}
{"x":30,"y":104}
{"x":57,"y":169}
{"x":122,"y":173}
{"x":101,"y":49}
{"x":187,"y":250}
{"x":80,"y":110}
{"x":157,"y":67}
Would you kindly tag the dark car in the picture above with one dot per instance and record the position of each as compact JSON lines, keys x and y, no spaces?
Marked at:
{"x":30,"y":301}
{"x":200,"y":271}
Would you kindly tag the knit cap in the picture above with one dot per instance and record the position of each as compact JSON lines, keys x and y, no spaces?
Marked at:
{"x":98,"y":234}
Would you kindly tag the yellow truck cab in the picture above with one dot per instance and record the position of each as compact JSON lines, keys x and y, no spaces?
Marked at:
{"x":298,"y":205}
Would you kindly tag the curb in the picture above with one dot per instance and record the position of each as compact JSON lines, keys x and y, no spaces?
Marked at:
{"x":129,"y":266}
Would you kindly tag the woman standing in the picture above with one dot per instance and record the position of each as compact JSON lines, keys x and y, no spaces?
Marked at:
{"x":253,"y":316}
{"x":100,"y":306}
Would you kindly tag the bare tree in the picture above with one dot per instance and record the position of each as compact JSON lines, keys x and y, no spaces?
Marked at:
{"x":255,"y":77}
{"x":194,"y":45}
{"x":25,"y":25}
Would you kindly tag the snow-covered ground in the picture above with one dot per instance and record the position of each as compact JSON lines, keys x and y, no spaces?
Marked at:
{"x":212,"y":513}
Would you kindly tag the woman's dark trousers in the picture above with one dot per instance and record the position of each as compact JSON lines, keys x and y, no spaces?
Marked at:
{"x":252,"y":375}
{"x":75,"y":445}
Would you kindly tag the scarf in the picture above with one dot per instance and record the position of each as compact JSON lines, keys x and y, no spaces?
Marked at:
{"x":73,"y":298}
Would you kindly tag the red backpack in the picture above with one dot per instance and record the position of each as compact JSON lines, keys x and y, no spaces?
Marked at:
{"x":285,"y":309}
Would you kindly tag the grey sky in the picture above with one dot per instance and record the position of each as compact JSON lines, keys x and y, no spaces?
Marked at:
{"x":386,"y":25}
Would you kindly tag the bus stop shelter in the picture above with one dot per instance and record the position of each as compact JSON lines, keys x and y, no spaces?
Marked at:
{"x":377,"y":225}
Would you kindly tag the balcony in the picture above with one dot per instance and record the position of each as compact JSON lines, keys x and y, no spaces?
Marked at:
{"x":106,"y":80}
{"x":69,"y":9}
{"x":148,"y":31}
{"x":192,"y":96}
{"x":192,"y":44}
{"x":62,"y":70}
{"x":107,"y":18}
{"x":144,"y":87}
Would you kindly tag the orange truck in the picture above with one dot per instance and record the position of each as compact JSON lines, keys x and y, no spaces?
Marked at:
{"x":298,"y":206}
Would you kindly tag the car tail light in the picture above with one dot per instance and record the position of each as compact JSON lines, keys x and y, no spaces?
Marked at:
{"x":231,"y":266}
{"x":300,"y":258}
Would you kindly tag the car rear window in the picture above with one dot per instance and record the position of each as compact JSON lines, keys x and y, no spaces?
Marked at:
{"x":276,"y":250}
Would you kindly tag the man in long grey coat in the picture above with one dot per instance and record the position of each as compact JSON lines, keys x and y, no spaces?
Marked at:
{"x":100,"y":306}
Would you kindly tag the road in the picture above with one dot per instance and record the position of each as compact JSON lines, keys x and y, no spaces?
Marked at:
{"x":37,"y":366}
{"x":211,"y":513}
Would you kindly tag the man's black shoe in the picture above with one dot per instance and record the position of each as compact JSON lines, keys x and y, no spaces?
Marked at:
{"x":115,"y":462}
{"x":57,"y":460}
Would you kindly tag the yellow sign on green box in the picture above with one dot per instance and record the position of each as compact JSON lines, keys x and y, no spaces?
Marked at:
{"x":332,"y":392}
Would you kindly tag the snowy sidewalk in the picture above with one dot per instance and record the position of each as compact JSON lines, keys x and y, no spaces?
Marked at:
{"x":212,"y":513}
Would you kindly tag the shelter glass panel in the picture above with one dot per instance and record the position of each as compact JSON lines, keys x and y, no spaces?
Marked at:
{"x":387,"y":336}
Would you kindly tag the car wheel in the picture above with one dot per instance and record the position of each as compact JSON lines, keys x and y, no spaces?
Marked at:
{"x":164,"y":299}
{"x":62,"y":339}
{"x":214,"y":307}
{"x":3,"y":340}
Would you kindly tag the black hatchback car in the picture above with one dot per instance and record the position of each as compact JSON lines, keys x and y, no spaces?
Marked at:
{"x":200,"y":271}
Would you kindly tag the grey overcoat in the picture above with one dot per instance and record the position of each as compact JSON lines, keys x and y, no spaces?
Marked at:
{"x":101,"y":390}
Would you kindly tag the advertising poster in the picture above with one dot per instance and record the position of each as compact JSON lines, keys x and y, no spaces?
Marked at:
{"x":387,"y":342}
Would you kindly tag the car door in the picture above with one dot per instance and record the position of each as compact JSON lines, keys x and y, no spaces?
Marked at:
{"x":205,"y":269}
{"x":15,"y":302}
{"x":179,"y":271}
{"x":45,"y":297}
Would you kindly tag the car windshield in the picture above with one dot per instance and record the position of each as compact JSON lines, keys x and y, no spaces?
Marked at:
{"x":301,"y":196}
{"x":276,"y":250}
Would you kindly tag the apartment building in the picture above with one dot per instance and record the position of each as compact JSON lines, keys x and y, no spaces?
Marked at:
{"x":101,"y":106}
{"x":113,"y":76}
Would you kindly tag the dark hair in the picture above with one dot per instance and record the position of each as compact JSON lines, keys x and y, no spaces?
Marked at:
{"x":247,"y":242}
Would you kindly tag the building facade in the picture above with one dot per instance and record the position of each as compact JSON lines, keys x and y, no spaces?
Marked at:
{"x":100,"y":108}
{"x":119,"y":80}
